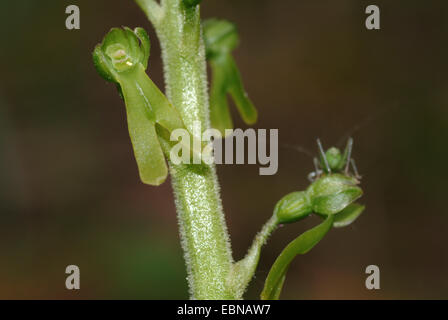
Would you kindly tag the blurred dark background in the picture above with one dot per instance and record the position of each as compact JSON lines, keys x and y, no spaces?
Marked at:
{"x":69,"y":188}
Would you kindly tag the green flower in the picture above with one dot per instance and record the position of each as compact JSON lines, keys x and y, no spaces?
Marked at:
{"x":121,"y":50}
{"x":122,"y":58}
{"x":332,"y":193}
{"x":348,"y":215}
{"x":221,"y":38}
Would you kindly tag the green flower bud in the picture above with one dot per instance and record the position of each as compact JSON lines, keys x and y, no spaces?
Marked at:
{"x":121,"y":50}
{"x":335,"y":203}
{"x":331,"y":194}
{"x":220,"y":36}
{"x":293,"y":207}
{"x":348,"y":215}
{"x":330,"y":184}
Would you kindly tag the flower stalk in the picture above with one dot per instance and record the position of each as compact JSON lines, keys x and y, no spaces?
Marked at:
{"x":203,"y":230}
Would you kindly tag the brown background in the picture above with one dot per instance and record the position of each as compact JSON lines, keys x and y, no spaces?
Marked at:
{"x":69,"y":190}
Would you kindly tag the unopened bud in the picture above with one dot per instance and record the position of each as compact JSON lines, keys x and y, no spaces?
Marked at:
{"x":333,"y":193}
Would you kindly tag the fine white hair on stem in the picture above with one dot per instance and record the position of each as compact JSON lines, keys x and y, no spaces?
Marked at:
{"x":152,"y":9}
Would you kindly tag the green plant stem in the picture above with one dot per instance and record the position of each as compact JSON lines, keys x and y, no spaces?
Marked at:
{"x":203,"y":231}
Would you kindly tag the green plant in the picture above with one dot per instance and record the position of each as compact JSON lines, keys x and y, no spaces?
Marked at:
{"x":122,"y":58}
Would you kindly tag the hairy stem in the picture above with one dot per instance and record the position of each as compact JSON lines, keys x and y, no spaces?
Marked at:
{"x":203,"y":231}
{"x":152,"y":9}
{"x":243,"y":270}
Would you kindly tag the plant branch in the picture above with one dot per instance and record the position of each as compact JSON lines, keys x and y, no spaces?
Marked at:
{"x":152,"y":9}
{"x":243,"y":270}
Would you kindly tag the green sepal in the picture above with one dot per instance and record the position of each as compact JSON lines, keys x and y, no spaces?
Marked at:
{"x":102,"y":65}
{"x":301,"y":245}
{"x":335,"y":203}
{"x":348,"y":215}
{"x":329,"y":184}
{"x":145,"y":46}
{"x":331,"y":193}
{"x":122,"y":58}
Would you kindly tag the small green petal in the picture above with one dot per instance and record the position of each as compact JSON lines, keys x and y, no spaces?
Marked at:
{"x":136,"y":51}
{"x":348,"y":215}
{"x":145,"y":45}
{"x":103,"y":66}
{"x":114,"y":36}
